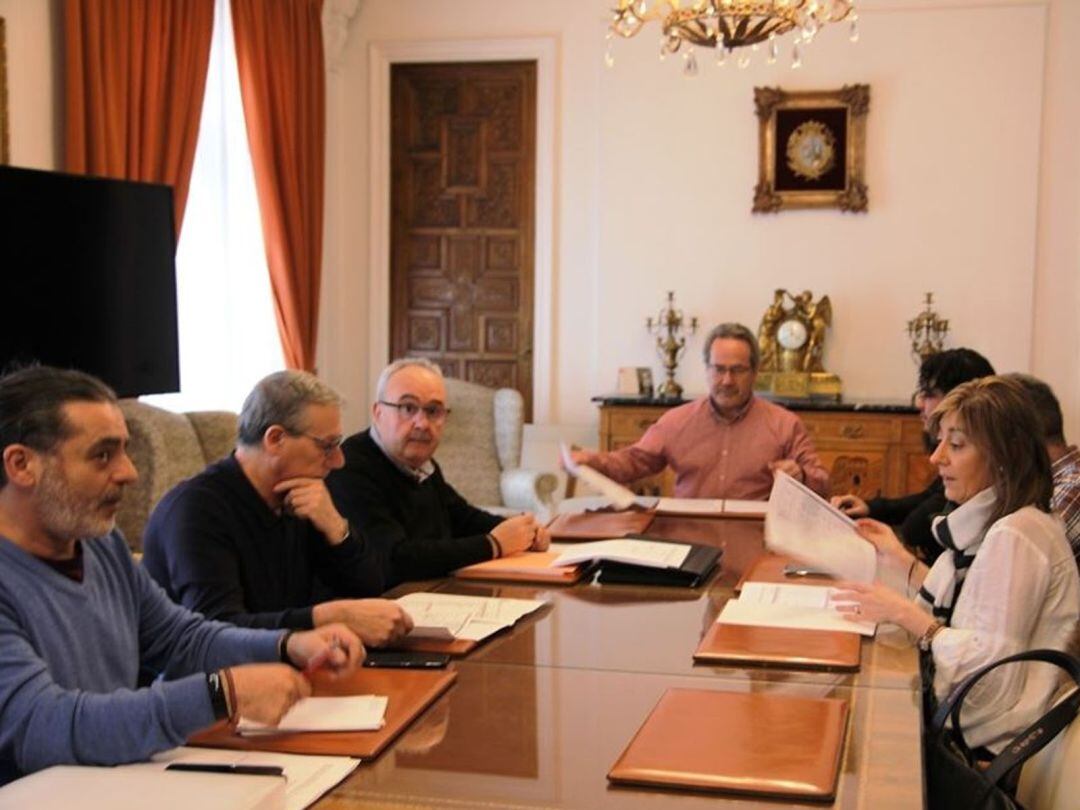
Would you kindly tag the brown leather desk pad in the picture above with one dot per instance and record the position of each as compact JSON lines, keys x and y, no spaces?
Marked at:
{"x":600,"y":525}
{"x":532,"y":566}
{"x":749,"y":743}
{"x":780,"y":647}
{"x":410,"y":692}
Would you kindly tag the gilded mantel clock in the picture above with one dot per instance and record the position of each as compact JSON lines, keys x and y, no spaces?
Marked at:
{"x":792,"y":342}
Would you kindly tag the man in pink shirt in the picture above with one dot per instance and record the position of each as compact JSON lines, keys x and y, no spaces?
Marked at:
{"x":726,"y":445}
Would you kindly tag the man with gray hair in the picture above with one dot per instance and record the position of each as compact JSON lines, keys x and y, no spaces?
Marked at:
{"x":80,"y":621}
{"x":728,"y":444}
{"x":391,"y":487}
{"x":255,"y":539}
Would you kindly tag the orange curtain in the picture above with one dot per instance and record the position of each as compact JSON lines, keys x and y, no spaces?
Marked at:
{"x":135,"y":74}
{"x":279,"y":53}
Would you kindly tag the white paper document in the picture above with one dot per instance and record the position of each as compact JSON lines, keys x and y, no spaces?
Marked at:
{"x":471,"y":618}
{"x":348,"y":713}
{"x":711,"y":507}
{"x":808,"y":607}
{"x":801,"y":524}
{"x":636,"y":552}
{"x":146,"y":784}
{"x":735,"y":506}
{"x":690,"y":506}
{"x":619,"y":496}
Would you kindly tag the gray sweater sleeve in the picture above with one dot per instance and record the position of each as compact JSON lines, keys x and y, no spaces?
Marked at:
{"x":49,"y":716}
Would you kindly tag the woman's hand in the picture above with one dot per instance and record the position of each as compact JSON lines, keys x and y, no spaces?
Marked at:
{"x":883,"y":538}
{"x":859,"y":601}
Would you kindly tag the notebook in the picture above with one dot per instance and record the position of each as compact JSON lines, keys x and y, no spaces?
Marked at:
{"x":693,"y":571}
{"x":344,"y":713}
{"x":758,"y":744}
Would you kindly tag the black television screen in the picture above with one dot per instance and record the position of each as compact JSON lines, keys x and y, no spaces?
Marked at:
{"x":89,"y":278}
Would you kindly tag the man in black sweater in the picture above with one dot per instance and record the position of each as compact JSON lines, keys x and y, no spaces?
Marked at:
{"x":255,"y":539}
{"x":393,"y":491}
{"x":913,"y":514}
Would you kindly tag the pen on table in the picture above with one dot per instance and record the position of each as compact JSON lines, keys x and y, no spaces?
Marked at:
{"x":213,"y":767}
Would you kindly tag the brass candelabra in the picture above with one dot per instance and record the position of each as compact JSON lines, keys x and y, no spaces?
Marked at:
{"x":671,"y":331}
{"x":927,"y":331}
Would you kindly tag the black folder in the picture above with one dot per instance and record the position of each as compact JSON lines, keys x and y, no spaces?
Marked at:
{"x":695,"y":570}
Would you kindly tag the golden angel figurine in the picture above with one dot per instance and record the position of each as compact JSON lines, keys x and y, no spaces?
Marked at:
{"x":819,"y":314}
{"x":767,"y":332}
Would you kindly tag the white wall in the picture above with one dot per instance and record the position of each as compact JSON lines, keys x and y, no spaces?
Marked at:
{"x":655,"y":174}
{"x":32,"y":83}
{"x":973,"y":171}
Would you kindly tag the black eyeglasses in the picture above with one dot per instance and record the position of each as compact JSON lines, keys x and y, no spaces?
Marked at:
{"x":734,"y":371}
{"x":328,"y":446}
{"x":434,"y":411}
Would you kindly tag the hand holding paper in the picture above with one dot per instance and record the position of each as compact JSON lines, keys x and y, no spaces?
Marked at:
{"x":859,"y":602}
{"x":801,"y":524}
{"x":620,"y":496}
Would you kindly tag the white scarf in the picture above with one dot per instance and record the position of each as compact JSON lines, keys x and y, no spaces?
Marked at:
{"x":960,"y":532}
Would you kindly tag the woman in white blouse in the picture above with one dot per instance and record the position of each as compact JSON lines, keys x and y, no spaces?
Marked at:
{"x":1007,"y":581}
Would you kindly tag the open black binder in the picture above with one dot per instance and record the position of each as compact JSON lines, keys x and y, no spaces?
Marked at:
{"x":695,"y":570}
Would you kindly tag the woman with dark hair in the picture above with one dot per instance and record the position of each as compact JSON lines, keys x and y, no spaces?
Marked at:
{"x":938,"y":375}
{"x":1007,"y":581}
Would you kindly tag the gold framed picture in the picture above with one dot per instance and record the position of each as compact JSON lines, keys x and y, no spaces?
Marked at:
{"x":5,"y":155}
{"x":812,"y":148}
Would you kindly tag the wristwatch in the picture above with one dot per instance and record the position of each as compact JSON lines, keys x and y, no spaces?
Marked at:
{"x":927,"y":638}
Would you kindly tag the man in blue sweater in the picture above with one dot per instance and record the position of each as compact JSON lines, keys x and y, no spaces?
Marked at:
{"x":79,"y":620}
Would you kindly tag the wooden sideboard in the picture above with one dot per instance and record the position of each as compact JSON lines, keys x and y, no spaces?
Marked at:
{"x":869,"y":448}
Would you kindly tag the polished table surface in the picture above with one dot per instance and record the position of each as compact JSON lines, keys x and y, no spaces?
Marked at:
{"x":540,"y":713}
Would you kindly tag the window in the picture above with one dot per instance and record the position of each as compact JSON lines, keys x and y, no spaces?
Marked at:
{"x":228,"y":333}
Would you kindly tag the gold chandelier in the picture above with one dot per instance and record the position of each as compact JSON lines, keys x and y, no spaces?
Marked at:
{"x":728,"y":25}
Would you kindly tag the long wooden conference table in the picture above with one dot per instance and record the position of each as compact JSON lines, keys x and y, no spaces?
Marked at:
{"x":539,"y":714}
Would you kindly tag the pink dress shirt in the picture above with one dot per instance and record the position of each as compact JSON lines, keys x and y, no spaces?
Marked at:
{"x":714,"y":458}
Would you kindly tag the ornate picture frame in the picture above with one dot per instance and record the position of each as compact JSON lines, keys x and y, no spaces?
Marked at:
{"x":5,"y":154}
{"x":812,"y":148}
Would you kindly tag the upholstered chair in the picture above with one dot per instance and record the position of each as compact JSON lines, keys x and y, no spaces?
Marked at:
{"x":166,"y":448}
{"x":480,"y":452}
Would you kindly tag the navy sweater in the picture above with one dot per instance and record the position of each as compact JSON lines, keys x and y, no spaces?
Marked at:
{"x":216,"y":547}
{"x":418,"y":530}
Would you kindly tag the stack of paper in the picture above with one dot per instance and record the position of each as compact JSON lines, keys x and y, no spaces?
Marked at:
{"x":133,"y":787}
{"x":803,"y":525}
{"x":763,"y":604}
{"x":711,"y":507}
{"x":649,"y":553}
{"x":471,"y":618}
{"x":350,"y":713}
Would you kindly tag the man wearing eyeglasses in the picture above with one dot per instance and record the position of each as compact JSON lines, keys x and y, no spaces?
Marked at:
{"x":391,"y":487}
{"x":255,"y":539}
{"x":726,"y":445}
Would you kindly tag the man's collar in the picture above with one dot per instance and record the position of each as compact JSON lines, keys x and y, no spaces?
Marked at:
{"x":1071,"y":457}
{"x":739,"y":414}
{"x":417,"y":474}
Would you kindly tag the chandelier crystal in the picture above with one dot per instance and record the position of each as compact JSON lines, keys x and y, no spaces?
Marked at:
{"x":729,"y":24}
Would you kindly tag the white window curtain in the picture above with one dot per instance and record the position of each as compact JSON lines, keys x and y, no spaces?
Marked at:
{"x":228,"y":334}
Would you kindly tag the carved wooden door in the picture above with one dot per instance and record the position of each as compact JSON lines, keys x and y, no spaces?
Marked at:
{"x":462,"y":197}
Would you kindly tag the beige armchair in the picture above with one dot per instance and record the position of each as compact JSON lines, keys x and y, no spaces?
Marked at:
{"x":166,"y":448}
{"x":480,"y":453}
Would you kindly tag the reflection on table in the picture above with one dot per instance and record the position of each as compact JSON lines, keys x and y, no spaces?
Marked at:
{"x":545,"y":737}
{"x":539,"y":714}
